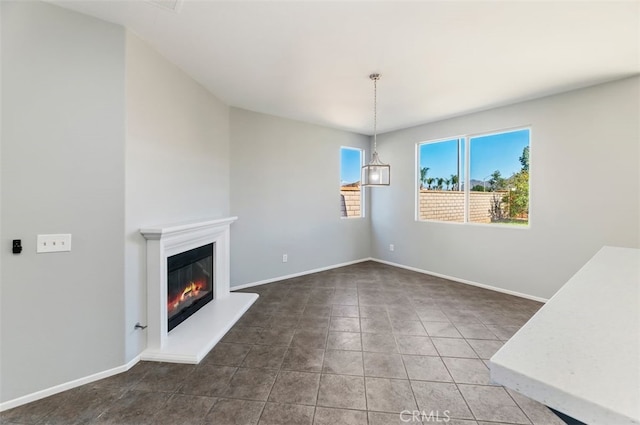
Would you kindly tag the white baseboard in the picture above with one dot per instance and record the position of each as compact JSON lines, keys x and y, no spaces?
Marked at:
{"x":289,"y":276}
{"x":67,"y":386}
{"x":466,"y":282}
{"x":107,"y":373}
{"x":402,"y":266}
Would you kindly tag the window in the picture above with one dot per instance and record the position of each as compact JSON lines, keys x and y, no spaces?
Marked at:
{"x":440,"y":176}
{"x":498,"y":179}
{"x":351,"y":199}
{"x":499,"y":170}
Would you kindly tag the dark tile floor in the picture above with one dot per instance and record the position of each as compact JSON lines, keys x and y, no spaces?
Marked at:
{"x":354,"y":345}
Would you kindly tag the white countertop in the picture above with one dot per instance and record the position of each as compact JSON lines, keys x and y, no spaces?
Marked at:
{"x":580,"y":353}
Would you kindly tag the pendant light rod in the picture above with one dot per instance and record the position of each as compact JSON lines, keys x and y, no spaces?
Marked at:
{"x":375,"y":173}
{"x":375,"y":78}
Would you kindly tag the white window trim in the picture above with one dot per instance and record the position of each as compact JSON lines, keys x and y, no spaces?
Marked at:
{"x":363,"y":203}
{"x":467,"y":177}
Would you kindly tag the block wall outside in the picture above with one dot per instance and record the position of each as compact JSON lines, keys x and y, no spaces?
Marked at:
{"x":449,"y":205}
{"x":350,"y":201}
{"x":434,"y":204}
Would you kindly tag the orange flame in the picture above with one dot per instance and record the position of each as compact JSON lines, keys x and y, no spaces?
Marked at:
{"x":192,"y":290}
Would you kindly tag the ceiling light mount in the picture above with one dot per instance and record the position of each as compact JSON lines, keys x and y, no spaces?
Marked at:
{"x":375,"y":173}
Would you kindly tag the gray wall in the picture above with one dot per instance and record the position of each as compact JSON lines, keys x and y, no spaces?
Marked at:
{"x":62,"y":170}
{"x":585,"y":190}
{"x":177,"y":163}
{"x":99,"y":149}
{"x":285,"y":189}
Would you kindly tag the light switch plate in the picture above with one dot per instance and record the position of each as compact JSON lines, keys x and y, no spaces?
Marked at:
{"x":54,"y":243}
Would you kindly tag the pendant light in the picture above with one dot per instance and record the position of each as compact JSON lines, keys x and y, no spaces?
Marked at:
{"x":375,"y":173}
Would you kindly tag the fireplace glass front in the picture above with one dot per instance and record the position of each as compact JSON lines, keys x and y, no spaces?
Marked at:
{"x":189,"y":283}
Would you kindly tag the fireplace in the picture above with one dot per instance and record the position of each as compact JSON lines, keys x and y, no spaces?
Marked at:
{"x":189,"y":283}
{"x":192,"y":339}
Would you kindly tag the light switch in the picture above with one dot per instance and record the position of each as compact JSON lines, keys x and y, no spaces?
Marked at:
{"x":54,"y":243}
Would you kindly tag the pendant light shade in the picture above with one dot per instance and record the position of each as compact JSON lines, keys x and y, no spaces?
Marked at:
{"x":375,"y":173}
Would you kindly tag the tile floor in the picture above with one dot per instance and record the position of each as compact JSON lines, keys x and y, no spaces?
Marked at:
{"x":354,"y":345}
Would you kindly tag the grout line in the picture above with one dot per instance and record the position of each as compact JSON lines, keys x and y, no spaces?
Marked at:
{"x":518,"y":404}
{"x":462,"y":395}
{"x":287,"y":297}
{"x":415,"y":399}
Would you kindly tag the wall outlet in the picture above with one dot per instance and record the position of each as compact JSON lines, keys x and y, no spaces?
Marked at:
{"x":285,"y":258}
{"x":53,"y":243}
{"x":392,"y":247}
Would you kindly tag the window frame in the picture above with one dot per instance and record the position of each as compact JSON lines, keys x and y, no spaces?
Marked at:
{"x":417,"y":176}
{"x":362,"y":191}
{"x":465,"y":164}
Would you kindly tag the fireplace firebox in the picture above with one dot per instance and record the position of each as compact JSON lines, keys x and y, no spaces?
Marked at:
{"x":189,"y":283}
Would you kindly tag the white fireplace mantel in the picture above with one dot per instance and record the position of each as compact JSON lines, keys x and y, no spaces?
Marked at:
{"x":191,"y":340}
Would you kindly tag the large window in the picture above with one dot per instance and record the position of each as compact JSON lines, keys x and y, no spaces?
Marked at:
{"x":351,"y":197}
{"x":496,"y":190}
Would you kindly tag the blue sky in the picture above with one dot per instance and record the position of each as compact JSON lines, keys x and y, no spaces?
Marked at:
{"x":350,"y":165}
{"x":497,"y":152}
{"x":441,"y":158}
{"x":488,"y":153}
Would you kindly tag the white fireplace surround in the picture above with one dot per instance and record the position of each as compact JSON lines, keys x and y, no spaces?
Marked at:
{"x":192,"y":339}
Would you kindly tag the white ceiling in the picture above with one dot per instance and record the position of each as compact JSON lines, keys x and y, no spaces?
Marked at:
{"x":310,"y":60}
